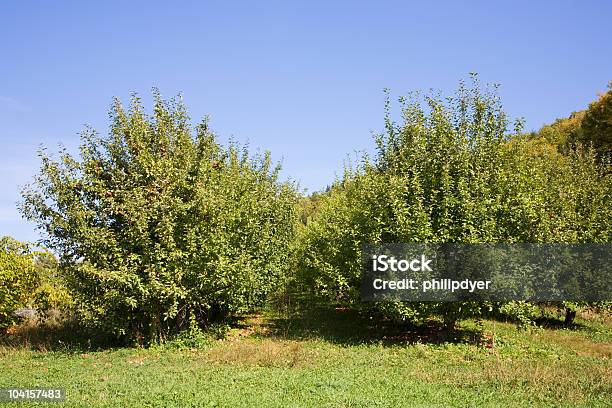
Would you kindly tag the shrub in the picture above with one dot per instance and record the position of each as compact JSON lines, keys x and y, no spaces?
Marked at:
{"x":157,"y":226}
{"x":18,"y":278}
{"x":524,"y":313}
{"x":49,"y":297}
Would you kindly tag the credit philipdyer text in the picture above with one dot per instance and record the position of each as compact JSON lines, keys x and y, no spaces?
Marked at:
{"x":384,"y":263}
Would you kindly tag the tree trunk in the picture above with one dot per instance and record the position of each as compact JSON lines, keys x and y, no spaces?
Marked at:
{"x":569,"y":316}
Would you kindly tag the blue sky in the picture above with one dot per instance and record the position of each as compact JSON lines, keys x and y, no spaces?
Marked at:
{"x":301,"y":79}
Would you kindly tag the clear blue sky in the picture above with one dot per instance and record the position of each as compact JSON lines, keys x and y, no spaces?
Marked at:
{"x":302,"y":79}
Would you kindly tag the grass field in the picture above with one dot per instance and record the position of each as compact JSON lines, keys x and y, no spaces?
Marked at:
{"x":332,"y":357}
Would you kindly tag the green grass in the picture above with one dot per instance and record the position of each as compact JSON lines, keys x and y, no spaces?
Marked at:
{"x":334,"y":358}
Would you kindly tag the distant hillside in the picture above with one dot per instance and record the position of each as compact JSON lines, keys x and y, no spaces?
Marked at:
{"x":590,"y":126}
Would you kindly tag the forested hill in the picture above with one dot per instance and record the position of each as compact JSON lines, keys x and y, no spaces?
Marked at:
{"x":592,"y":125}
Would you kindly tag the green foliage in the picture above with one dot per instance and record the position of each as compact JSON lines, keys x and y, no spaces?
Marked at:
{"x":524,"y":313}
{"x":51,"y":294}
{"x":156,"y":226}
{"x":194,"y":337}
{"x":589,"y":128}
{"x":308,"y":206}
{"x":451,"y":172}
{"x":29,"y":278}
{"x":562,"y":131}
{"x":596,"y":127}
{"x":18,"y":278}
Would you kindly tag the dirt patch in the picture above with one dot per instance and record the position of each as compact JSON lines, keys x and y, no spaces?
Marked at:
{"x":265,"y":353}
{"x":580,"y":345}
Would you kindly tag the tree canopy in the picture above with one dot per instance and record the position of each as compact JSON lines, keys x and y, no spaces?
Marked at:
{"x":159,"y":226}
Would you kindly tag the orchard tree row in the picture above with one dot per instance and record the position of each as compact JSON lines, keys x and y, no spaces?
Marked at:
{"x":158,"y":227}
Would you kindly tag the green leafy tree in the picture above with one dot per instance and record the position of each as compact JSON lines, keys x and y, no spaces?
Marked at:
{"x":157,"y":224}
{"x":450,"y":171}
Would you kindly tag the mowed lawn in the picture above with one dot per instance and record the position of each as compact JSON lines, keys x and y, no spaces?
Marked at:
{"x":334,"y":359}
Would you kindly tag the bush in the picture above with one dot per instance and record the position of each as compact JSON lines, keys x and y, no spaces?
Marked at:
{"x":524,"y":313}
{"x":156,"y":226}
{"x":18,"y":278}
{"x":52,"y":297}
